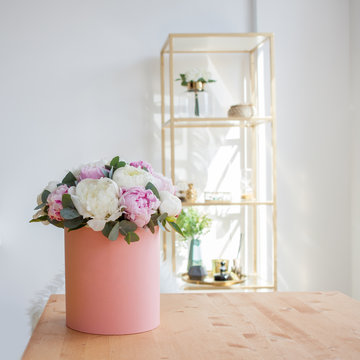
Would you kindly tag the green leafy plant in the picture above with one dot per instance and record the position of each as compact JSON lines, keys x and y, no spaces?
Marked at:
{"x":192,"y":223}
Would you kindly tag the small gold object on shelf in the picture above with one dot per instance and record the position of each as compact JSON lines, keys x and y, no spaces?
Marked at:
{"x":216,"y":263}
{"x":209,"y":280}
{"x":247,"y":196}
{"x":196,"y":86}
{"x":241,"y":111}
{"x":191,"y":194}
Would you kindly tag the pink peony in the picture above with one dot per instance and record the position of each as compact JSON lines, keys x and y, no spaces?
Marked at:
{"x":142,"y":164}
{"x":54,"y":201}
{"x":163,"y":183}
{"x":91,"y":172}
{"x":139,"y":204}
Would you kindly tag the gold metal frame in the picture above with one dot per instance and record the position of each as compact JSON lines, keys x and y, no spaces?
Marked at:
{"x":174,"y":122}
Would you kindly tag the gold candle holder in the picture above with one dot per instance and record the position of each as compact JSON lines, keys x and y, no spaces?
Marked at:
{"x":216,"y":263}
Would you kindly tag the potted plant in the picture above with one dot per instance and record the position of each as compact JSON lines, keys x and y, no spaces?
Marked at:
{"x":193,"y":225}
{"x":111,"y":213}
{"x":194,"y":80}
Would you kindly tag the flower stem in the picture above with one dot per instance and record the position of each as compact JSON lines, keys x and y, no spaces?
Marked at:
{"x":197,"y":113}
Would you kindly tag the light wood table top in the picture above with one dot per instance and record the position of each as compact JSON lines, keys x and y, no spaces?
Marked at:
{"x":316,"y":325}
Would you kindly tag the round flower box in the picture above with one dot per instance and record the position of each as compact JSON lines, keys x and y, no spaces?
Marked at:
{"x":111,"y":213}
{"x":112,"y":287}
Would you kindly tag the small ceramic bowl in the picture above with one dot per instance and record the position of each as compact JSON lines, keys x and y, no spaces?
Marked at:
{"x":242,"y":111}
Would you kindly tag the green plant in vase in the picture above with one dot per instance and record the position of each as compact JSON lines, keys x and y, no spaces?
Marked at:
{"x":193,"y":225}
{"x":195,"y":81}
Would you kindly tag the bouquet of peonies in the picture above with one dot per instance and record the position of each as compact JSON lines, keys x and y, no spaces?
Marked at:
{"x":115,"y":198}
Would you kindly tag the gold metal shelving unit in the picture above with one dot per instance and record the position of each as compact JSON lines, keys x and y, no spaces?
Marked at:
{"x":254,"y":46}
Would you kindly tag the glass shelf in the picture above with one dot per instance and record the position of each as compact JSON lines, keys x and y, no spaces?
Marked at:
{"x":227,"y":203}
{"x":218,"y":122}
{"x":210,"y":43}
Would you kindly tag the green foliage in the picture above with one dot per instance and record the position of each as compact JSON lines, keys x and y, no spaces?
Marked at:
{"x":69,"y":179}
{"x":184,"y":82}
{"x":45,"y":195}
{"x":67,"y":202}
{"x":124,"y":227}
{"x":73,"y":223}
{"x":39,"y":219}
{"x":151,"y":186}
{"x":131,"y":237}
{"x":69,"y":213}
{"x":176,"y":227}
{"x":192,"y":223}
{"x":115,"y":163}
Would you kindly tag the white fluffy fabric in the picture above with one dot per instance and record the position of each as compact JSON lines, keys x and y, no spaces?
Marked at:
{"x":168,"y":284}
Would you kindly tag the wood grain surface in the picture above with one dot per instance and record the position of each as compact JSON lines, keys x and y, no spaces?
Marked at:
{"x":316,"y":325}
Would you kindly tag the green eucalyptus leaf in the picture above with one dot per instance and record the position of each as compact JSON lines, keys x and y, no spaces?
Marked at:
{"x":114,"y":233}
{"x":154,"y":217}
{"x":151,"y":186}
{"x":114,"y":161}
{"x":39,"y":219}
{"x":45,"y":195}
{"x":73,"y":223}
{"x":121,"y":164}
{"x":56,"y":223}
{"x":107,"y":228}
{"x":40,"y":206}
{"x":127,"y":226}
{"x":175,"y":226}
{"x":69,"y":179}
{"x":131,"y":237}
{"x":69,"y":213}
{"x":79,"y":227}
{"x":162,"y":217}
{"x":67,"y":202}
{"x":151,"y":226}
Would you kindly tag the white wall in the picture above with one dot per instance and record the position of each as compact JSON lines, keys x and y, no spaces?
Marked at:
{"x":312,"y":73}
{"x":355,"y":153}
{"x":77,"y":82}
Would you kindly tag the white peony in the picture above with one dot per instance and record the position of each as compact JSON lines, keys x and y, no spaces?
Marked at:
{"x":206,"y":75}
{"x":195,"y":74}
{"x":170,"y":204}
{"x":97,"y":199}
{"x":130,"y":176}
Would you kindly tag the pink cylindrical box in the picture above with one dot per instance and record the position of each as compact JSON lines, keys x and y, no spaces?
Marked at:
{"x":112,"y":288}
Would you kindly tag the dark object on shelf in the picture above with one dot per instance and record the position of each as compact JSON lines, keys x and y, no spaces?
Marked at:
{"x":223,"y":276}
{"x":197,"y":272}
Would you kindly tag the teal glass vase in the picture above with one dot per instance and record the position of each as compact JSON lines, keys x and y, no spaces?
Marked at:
{"x":195,"y":258}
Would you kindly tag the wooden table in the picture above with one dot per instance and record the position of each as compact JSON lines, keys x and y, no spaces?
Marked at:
{"x":317,"y":325}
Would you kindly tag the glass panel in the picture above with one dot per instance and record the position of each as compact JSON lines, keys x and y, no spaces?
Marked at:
{"x":216,"y":43}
